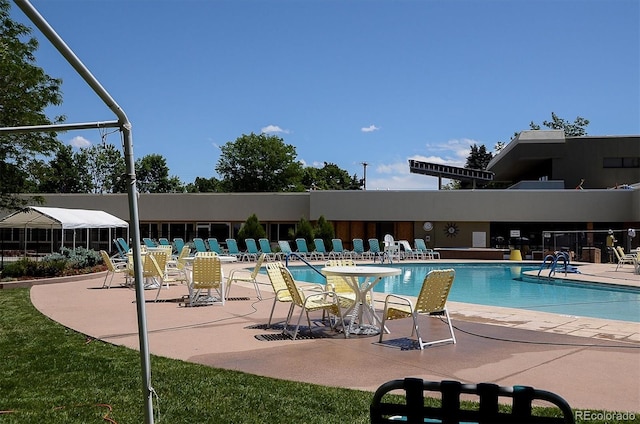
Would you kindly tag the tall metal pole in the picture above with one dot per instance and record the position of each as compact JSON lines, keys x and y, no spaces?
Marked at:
{"x":364,"y":177}
{"x":134,"y":224}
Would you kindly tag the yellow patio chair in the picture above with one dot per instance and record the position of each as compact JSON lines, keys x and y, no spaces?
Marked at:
{"x":176,"y":270}
{"x":338,"y":284}
{"x":206,"y":276}
{"x":622,"y":257}
{"x":244,"y":275}
{"x":113,"y":268}
{"x":432,"y":300}
{"x":280,"y":290}
{"x":326,"y":301}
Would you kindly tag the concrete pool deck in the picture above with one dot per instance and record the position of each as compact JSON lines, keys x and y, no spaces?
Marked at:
{"x":592,"y":363}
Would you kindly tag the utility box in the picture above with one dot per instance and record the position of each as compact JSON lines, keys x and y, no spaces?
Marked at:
{"x":591,"y":254}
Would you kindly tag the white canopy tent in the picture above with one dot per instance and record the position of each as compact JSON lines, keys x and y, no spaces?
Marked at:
{"x":63,"y":219}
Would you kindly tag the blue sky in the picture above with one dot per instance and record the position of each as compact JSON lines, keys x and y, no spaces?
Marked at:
{"x":346,"y":82}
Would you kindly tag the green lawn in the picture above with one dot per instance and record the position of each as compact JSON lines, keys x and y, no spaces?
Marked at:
{"x":51,"y":374}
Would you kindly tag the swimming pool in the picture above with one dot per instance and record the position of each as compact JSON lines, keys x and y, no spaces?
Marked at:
{"x":504,"y":285}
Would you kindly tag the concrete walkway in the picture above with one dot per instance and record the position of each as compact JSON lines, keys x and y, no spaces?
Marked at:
{"x":592,"y":363}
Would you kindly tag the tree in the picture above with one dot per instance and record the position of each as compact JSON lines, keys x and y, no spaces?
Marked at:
{"x":478,"y":157}
{"x":304,"y":230}
{"x":203,"y":185}
{"x":152,"y":175}
{"x":251,"y":229}
{"x":106,"y":167}
{"x":324,"y":230}
{"x":66,"y":173}
{"x":577,"y":129}
{"x":259,"y":163}
{"x":329,"y":177}
{"x":25,"y":93}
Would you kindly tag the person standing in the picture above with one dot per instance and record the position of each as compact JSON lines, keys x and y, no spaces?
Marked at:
{"x":611,"y":242}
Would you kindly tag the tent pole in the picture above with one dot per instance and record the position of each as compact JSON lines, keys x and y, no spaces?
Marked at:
{"x":125,"y":128}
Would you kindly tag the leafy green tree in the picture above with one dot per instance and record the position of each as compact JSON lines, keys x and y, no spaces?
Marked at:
{"x":203,"y":185}
{"x":329,"y":177}
{"x":259,"y":163}
{"x":251,"y":229}
{"x":26,"y":91}
{"x":324,"y":230}
{"x":575,"y":129}
{"x":152,"y":175}
{"x":66,"y":173}
{"x":106,"y":167}
{"x":478,"y":157}
{"x":304,"y":230}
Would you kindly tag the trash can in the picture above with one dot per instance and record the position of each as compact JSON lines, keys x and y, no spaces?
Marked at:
{"x":515,"y":255}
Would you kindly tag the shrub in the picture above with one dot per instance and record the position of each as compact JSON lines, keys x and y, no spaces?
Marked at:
{"x":251,"y":229}
{"x":324,"y":230}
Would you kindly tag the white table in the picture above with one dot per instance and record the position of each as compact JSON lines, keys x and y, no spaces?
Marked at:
{"x":370,"y":275}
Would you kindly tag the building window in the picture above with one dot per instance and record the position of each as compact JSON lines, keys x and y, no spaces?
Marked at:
{"x":630,"y":162}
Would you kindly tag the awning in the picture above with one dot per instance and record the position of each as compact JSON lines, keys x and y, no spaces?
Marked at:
{"x":66,"y":219}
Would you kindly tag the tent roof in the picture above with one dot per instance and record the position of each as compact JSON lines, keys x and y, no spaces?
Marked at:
{"x":45,"y":217}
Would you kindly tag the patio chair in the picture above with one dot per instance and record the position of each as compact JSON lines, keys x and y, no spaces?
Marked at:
{"x":234,"y":250}
{"x":303,"y":250}
{"x":214,"y":246}
{"x":338,"y":284}
{"x":432,"y":301}
{"x":121,"y":255}
{"x":374,"y":249}
{"x":422,"y":247}
{"x":178,"y":243}
{"x":244,"y":275}
{"x":320,"y":251}
{"x":148,"y":242}
{"x":162,"y":241}
{"x":265,"y":246}
{"x":176,"y":269}
{"x":199,"y":245}
{"x":280,"y":290}
{"x":413,"y":408}
{"x":359,"y":251}
{"x":206,"y":276}
{"x":252,"y":249}
{"x":285,"y":248}
{"x":622,"y":257}
{"x":123,"y":244}
{"x":113,"y":268}
{"x":337,"y":250}
{"x":407,"y":252}
{"x":326,"y":301}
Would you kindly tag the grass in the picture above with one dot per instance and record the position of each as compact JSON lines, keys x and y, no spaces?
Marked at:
{"x":55,"y":375}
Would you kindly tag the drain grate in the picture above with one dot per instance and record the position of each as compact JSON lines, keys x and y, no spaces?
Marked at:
{"x":264,"y":327}
{"x":402,"y":344}
{"x":233,"y":299}
{"x":281,"y":336}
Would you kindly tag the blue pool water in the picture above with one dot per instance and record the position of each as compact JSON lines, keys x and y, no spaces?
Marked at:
{"x":504,"y":285}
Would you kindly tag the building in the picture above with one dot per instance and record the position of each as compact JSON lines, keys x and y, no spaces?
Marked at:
{"x":536,"y":214}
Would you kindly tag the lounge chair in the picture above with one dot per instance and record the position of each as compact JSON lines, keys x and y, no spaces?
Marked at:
{"x":121,"y":256}
{"x":199,"y":245}
{"x":432,"y":300}
{"x":234,"y":250}
{"x":214,"y":246}
{"x":337,"y":250}
{"x":280,"y":290}
{"x":285,"y":248}
{"x":358,"y":250}
{"x":148,"y":242}
{"x":178,"y":243}
{"x":320,"y":251}
{"x":374,"y":249}
{"x":622,"y":257}
{"x":123,"y":244}
{"x":303,"y":250}
{"x":316,"y":301}
{"x":252,"y":249}
{"x":176,"y":269}
{"x":162,"y":241}
{"x":113,"y":268}
{"x":391,"y":248}
{"x":244,"y":275}
{"x":206,"y":276}
{"x":407,"y":252}
{"x":422,"y":247}
{"x":493,"y":407}
{"x":265,"y":246}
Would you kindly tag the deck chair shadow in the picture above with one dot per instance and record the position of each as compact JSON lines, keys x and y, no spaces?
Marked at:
{"x":413,"y":409}
{"x":206,"y":277}
{"x":431,"y":301}
{"x":248,"y":276}
{"x":326,"y":301}
{"x":265,"y":247}
{"x":113,"y":268}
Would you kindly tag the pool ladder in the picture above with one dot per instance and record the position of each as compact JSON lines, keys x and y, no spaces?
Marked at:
{"x":552,"y":261}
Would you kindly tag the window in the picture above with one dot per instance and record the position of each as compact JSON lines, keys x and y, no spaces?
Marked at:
{"x":629,"y":162}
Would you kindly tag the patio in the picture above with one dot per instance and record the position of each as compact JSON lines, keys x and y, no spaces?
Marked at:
{"x":592,"y":363}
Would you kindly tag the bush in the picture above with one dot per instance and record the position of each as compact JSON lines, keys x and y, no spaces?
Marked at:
{"x":251,"y":229}
{"x":324,"y":231}
{"x":67,"y":262}
{"x":304,"y":231}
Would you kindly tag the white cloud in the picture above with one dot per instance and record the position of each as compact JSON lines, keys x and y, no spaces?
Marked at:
{"x":370,"y":128}
{"x":80,"y":141}
{"x":273,"y":129}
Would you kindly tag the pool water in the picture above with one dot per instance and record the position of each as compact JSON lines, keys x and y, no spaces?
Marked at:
{"x":505,"y":285}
